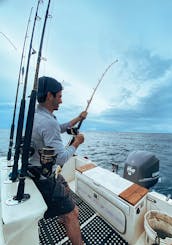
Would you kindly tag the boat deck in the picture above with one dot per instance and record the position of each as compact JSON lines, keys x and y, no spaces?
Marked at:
{"x":95,"y":230}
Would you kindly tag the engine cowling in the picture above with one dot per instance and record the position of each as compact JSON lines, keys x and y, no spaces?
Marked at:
{"x":142,"y":167}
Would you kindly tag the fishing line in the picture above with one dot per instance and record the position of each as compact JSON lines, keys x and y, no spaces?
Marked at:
{"x":7,"y":38}
{"x":74,"y":131}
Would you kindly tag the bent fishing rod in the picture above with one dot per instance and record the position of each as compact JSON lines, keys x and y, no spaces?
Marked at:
{"x":29,"y":123}
{"x":75,"y":130}
{"x":21,"y":71}
{"x":19,"y":132}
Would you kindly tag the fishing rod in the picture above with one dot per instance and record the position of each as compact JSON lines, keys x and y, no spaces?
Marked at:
{"x":75,"y":130}
{"x":18,"y":142}
{"x":29,"y":123}
{"x":21,"y":71}
{"x":7,"y":38}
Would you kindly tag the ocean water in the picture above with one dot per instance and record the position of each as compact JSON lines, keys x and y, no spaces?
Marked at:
{"x":106,"y":148}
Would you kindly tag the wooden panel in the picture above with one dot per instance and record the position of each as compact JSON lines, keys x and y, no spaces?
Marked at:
{"x":86,"y":167}
{"x":133,"y":193}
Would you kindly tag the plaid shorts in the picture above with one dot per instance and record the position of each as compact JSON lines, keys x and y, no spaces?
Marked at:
{"x":57,"y":196}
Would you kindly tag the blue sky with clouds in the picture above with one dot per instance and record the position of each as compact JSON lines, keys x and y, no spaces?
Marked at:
{"x":82,"y":38}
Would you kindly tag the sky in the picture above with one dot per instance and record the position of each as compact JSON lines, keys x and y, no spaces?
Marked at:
{"x":82,"y":38}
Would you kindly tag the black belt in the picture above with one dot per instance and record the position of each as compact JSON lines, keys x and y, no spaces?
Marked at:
{"x":34,"y":172}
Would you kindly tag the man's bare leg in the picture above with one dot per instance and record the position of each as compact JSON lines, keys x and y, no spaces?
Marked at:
{"x":71,"y":223}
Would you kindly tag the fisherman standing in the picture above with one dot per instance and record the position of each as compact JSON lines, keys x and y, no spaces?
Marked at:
{"x":46,"y":135}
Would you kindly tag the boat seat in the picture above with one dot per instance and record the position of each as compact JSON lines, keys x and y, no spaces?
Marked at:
{"x":21,"y":221}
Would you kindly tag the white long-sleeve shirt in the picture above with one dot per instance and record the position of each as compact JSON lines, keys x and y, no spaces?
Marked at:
{"x":47,"y":132}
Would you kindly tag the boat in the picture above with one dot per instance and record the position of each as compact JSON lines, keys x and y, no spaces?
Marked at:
{"x":114,"y":209}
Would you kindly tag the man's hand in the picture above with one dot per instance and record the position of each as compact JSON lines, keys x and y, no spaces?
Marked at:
{"x":83,"y":115}
{"x":77,"y":119}
{"x":79,"y":139}
{"x":58,"y":171}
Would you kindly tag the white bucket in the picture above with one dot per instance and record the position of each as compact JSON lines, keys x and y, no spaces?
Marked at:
{"x":158,"y":228}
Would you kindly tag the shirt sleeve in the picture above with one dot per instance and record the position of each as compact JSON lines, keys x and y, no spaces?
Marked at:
{"x":64,"y":126}
{"x":51,"y":137}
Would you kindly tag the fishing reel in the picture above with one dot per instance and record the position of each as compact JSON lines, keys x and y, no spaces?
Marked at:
{"x":47,"y":160}
{"x":72,"y":131}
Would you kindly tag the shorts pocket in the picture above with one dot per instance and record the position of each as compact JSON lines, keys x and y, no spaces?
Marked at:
{"x":60,"y":191}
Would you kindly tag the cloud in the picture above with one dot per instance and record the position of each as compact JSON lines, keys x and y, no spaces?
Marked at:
{"x":158,"y":106}
{"x":137,"y":95}
{"x":152,"y":115}
{"x":142,"y":100}
{"x":145,"y":65}
{"x":139,"y":74}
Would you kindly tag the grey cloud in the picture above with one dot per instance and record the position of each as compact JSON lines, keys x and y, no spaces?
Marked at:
{"x":152,"y":114}
{"x":144,"y":65}
{"x":159,"y":104}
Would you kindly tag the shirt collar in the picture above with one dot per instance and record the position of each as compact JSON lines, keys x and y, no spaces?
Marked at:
{"x":43,"y":109}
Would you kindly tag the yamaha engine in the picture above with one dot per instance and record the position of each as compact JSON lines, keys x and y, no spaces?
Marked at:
{"x":142,"y":167}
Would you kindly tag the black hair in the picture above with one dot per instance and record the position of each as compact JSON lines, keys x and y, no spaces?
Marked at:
{"x":43,"y":98}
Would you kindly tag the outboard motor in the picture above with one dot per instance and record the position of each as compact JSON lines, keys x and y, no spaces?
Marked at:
{"x":142,"y":167}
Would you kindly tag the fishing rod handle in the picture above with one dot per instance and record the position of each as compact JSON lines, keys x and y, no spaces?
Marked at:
{"x":82,"y":117}
{"x":77,"y":140}
{"x":71,"y":141}
{"x":80,"y":123}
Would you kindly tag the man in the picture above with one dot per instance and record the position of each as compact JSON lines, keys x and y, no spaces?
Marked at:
{"x":46,"y":133}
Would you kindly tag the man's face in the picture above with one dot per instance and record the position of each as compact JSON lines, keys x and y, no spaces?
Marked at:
{"x":57,"y":100}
